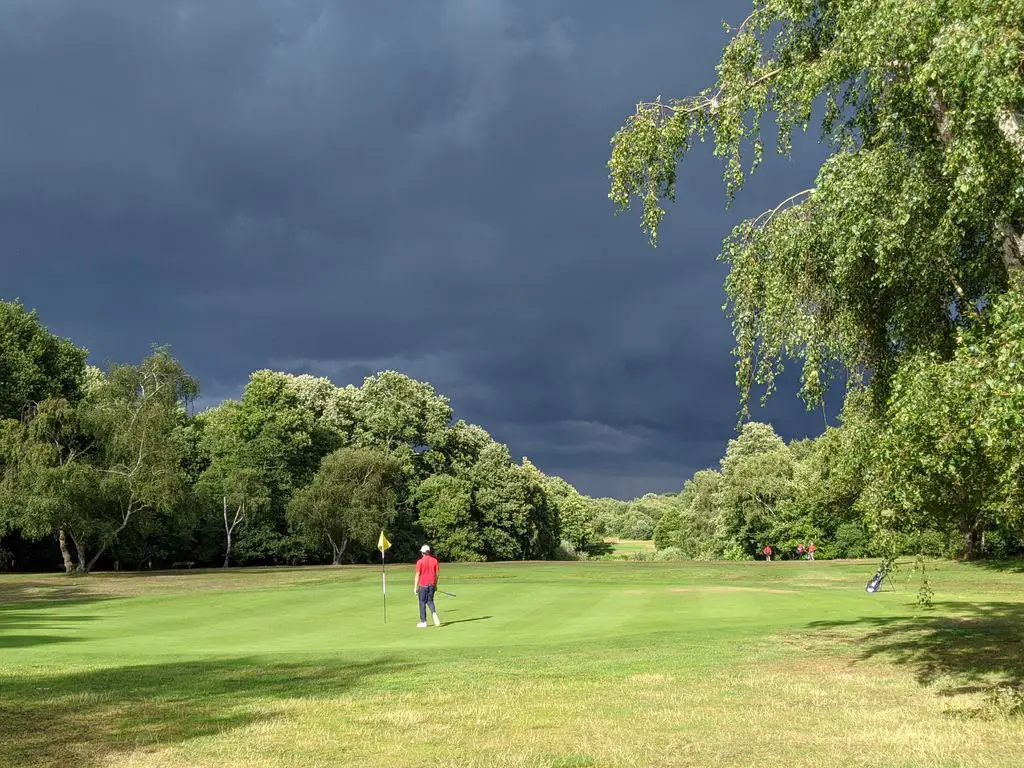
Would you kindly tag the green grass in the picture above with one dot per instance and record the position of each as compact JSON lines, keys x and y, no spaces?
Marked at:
{"x":630,"y":546}
{"x":562,"y":664}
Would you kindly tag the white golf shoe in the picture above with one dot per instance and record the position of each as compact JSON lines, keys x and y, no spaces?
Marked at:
{"x":421,"y":625}
{"x":437,"y":621}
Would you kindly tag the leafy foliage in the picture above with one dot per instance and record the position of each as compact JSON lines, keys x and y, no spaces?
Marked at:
{"x":351,"y":498}
{"x":901,"y":267}
{"x":446,"y":515}
{"x":35,"y":364}
{"x":297,"y":470}
{"x":919,"y":209}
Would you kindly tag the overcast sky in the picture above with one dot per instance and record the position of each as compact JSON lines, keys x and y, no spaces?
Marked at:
{"x":345,"y":187}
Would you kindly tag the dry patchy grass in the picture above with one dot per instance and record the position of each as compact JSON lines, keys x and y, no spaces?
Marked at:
{"x":576,"y":665}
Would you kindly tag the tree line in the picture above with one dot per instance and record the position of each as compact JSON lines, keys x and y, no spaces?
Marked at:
{"x":111,"y":468}
{"x":114,"y":469}
{"x":829,"y":491}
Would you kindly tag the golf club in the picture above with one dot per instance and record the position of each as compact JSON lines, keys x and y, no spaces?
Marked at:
{"x":446,"y":593}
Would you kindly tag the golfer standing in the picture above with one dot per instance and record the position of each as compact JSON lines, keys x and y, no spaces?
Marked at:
{"x":425,"y":585}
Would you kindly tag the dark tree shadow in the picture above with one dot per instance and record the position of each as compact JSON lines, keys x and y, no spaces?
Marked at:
{"x":27,"y":606}
{"x":22,"y":594}
{"x":1015,"y":565}
{"x":87,"y":718}
{"x":976,"y":646}
{"x":30,"y":641}
{"x":465,"y":621}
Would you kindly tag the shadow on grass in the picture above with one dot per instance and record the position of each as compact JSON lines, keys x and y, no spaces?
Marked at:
{"x":29,"y":608}
{"x":87,"y":718}
{"x":1015,"y":565}
{"x":22,"y":594}
{"x":466,"y":621}
{"x":975,"y":646}
{"x":8,"y":642}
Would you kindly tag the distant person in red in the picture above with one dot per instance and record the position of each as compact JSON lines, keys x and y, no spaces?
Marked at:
{"x":424,"y":585}
{"x":767,"y":553}
{"x":800,"y":551}
{"x":811,"y":550}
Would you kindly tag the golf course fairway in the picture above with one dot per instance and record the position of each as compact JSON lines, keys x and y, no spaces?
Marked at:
{"x":536,"y":664}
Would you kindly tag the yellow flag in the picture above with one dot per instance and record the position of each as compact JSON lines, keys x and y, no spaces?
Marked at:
{"x":382,"y":542}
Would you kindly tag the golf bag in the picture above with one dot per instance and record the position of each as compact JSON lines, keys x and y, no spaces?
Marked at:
{"x":875,"y":583}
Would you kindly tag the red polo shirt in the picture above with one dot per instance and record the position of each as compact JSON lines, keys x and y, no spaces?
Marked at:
{"x":426,"y":569}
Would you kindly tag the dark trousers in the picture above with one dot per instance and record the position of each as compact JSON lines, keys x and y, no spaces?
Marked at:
{"x":426,"y":595}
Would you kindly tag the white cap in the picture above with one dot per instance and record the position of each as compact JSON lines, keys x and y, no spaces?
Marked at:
{"x":425,"y":548}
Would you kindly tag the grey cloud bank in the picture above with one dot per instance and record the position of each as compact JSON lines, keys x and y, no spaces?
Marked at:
{"x":342,"y":187}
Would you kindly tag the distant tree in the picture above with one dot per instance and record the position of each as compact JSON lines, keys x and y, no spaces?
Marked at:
{"x":668,"y":527}
{"x":352,"y":497}
{"x":757,"y":484}
{"x":446,"y":513}
{"x":332,"y":414}
{"x":35,"y":364}
{"x":133,"y":416}
{"x":608,"y":515}
{"x":703,"y":533}
{"x":48,"y":484}
{"x":259,"y":450}
{"x":574,"y":511}
{"x":253,"y":448}
{"x":517,"y":521}
{"x":86,"y":471}
{"x":462,"y":445}
{"x":404,"y":418}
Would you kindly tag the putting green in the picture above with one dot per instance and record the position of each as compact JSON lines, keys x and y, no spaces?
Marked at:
{"x":605,"y":663}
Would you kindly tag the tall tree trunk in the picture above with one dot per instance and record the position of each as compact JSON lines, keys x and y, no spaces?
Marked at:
{"x":227,"y":530}
{"x":1012,"y":251}
{"x":336,"y":550}
{"x":95,"y":558}
{"x":973,"y":534}
{"x":1010,"y":124}
{"x":80,"y":553}
{"x":103,"y":547}
{"x":69,"y":564}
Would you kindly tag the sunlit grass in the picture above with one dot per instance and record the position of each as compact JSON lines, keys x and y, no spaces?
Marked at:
{"x":569,"y":664}
{"x":630,"y":546}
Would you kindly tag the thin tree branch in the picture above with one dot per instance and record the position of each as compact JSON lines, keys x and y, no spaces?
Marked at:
{"x":765,"y":218}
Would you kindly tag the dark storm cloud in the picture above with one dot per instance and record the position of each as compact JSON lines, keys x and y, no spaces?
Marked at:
{"x":343,"y":187}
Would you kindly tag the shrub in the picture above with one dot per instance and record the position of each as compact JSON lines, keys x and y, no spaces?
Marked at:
{"x":932,"y":543}
{"x":1002,"y":543}
{"x":1006,"y":701}
{"x":566,"y":551}
{"x":851,"y":540}
{"x":669,"y":553}
{"x":637,"y":527}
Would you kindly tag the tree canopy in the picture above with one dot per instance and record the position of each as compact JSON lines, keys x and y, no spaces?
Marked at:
{"x":117,"y":470}
{"x":34,"y":363}
{"x":917,"y":217}
{"x":901,"y":267}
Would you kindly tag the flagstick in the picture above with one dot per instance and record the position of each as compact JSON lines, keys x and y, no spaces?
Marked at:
{"x":384,"y":585}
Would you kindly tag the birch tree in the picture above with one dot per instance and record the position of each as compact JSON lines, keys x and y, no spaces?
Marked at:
{"x":916,"y":219}
{"x":132,"y":417}
{"x":904,"y":260}
{"x":352,"y":497}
